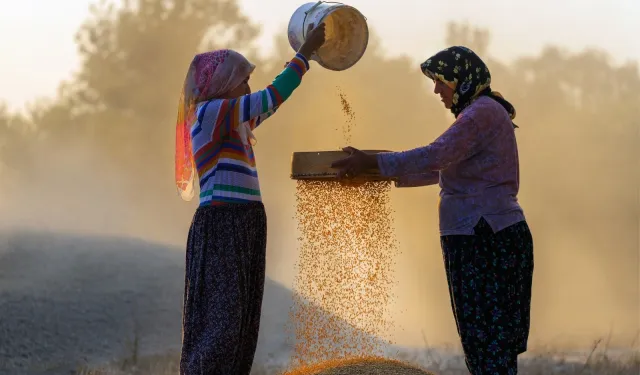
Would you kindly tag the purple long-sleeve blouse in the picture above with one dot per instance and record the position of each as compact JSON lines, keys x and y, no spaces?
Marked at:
{"x":476,"y":164}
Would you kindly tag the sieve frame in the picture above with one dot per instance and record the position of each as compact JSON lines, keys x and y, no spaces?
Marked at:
{"x":316,"y":166}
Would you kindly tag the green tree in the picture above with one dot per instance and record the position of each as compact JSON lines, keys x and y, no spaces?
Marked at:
{"x":135,"y":58}
{"x":16,"y":136}
{"x":464,"y":34}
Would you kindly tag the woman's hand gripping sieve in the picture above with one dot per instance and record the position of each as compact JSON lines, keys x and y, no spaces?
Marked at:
{"x":356,"y":163}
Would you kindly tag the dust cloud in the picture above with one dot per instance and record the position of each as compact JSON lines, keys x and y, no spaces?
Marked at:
{"x":99,"y":162}
{"x":75,"y":189}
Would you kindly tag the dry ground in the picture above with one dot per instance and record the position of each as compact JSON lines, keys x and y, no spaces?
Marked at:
{"x":596,"y":364}
{"x":70,"y":303}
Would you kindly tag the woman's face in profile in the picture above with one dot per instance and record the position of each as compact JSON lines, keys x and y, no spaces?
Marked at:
{"x":242,"y":89}
{"x":445,"y":92}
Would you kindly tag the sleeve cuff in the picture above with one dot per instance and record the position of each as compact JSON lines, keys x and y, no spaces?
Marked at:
{"x":300,"y":64}
{"x":304,"y":60}
{"x":388,"y":164}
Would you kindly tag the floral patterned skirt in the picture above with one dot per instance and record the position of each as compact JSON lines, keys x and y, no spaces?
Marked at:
{"x":490,"y":276}
{"x":224,"y":285}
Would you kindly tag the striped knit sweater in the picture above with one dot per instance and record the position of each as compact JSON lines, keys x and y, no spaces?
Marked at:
{"x":227,"y":168}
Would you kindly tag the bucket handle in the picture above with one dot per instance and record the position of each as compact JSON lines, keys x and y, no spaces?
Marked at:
{"x":304,"y":30}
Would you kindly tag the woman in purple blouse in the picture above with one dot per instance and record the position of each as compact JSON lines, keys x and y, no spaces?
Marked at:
{"x":486,"y":243}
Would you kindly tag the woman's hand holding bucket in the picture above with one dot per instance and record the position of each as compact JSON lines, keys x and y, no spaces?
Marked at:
{"x":314,"y":40}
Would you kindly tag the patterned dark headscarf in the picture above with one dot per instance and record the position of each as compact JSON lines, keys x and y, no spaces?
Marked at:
{"x":464,"y":72}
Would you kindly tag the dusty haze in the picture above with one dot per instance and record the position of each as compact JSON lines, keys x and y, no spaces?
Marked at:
{"x":97,"y":159}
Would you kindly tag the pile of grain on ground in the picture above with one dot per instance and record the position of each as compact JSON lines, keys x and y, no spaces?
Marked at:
{"x":435,"y":360}
{"x":347,"y":252}
{"x":359,"y":366}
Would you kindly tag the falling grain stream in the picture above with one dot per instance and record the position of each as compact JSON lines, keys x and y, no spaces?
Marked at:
{"x":347,"y":250}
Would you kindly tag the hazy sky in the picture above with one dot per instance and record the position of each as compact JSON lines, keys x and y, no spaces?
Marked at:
{"x":36,"y":36}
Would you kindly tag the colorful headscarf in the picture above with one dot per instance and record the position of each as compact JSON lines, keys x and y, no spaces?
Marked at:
{"x":211,"y":75}
{"x":465,"y":73}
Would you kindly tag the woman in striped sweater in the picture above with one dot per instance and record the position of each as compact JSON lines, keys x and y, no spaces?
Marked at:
{"x":225,"y":259}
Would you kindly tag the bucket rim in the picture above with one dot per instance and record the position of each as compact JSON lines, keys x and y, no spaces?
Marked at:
{"x":365,"y":45}
{"x":337,"y":5}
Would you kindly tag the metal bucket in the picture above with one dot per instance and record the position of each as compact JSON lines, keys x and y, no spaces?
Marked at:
{"x":347,"y":33}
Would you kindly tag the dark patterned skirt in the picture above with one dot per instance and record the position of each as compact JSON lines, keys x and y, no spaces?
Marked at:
{"x":489,"y":276}
{"x":224,"y":284}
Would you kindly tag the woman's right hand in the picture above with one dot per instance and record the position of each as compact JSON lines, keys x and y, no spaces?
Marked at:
{"x":315,"y":39}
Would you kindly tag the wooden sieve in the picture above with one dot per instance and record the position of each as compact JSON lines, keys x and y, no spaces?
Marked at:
{"x":316,"y":165}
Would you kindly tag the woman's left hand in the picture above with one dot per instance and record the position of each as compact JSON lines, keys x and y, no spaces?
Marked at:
{"x":356,"y":163}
